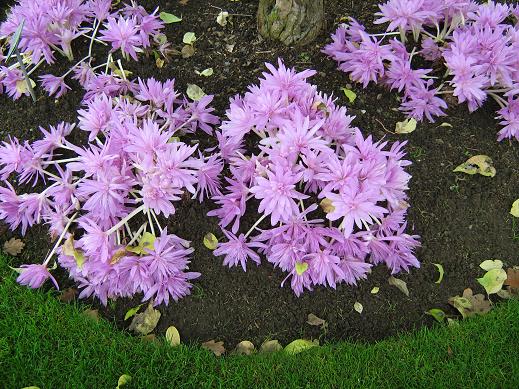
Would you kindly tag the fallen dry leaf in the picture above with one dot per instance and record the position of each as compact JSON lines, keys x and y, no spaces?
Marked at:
{"x":316,"y":321}
{"x":478,"y":164}
{"x":512,"y":277}
{"x":358,"y":307}
{"x":216,"y":347}
{"x":92,"y":314}
{"x":401,"y":285}
{"x":187,"y":51}
{"x":300,"y":345}
{"x":270,"y":346}
{"x":152,"y":338}
{"x":173,"y":336}
{"x":470,"y":304}
{"x":68,"y":295}
{"x":244,"y":348}
{"x":14,"y":246}
{"x":145,"y":322}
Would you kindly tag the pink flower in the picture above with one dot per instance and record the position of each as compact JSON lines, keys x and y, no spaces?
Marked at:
{"x":10,"y":157}
{"x":405,"y":15}
{"x":123,"y":33}
{"x":54,"y":85}
{"x":34,"y":276}
{"x":237,"y":250}
{"x":354,"y":207}
{"x":277,"y":194}
{"x":97,"y":117}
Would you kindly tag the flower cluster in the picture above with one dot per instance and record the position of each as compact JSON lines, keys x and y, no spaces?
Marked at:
{"x":50,"y":27}
{"x":309,"y":154}
{"x":133,"y":166}
{"x":472,"y":49}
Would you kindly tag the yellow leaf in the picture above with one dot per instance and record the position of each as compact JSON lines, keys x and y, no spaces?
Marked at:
{"x":69,"y":250}
{"x":173,"y":336}
{"x":299,"y":345}
{"x":210,"y":241}
{"x":515,"y":209}
{"x":406,"y":127}
{"x":189,"y":38}
{"x":147,"y":241}
{"x":490,"y":264}
{"x":301,"y":267}
{"x":123,"y":380}
{"x":441,"y":271}
{"x":358,"y":307}
{"x":194,"y":92}
{"x":375,"y":290}
{"x":478,"y":164}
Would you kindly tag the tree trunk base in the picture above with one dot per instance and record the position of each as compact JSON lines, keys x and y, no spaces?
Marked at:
{"x":292,"y":22}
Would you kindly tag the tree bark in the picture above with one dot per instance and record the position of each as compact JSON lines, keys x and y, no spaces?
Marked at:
{"x":293,"y":22}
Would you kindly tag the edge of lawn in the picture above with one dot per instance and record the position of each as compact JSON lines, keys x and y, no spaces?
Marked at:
{"x":49,"y":344}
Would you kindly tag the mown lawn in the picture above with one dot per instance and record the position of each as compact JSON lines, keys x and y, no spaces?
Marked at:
{"x":48,"y":344}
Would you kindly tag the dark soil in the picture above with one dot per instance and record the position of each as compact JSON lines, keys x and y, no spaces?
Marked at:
{"x":462,"y":220}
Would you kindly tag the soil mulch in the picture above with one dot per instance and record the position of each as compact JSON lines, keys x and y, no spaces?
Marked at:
{"x":462,"y":220}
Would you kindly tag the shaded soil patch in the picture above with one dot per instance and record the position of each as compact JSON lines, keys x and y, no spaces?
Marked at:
{"x":462,"y":220}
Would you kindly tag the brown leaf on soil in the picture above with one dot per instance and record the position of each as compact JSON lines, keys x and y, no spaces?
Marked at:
{"x":216,"y":347}
{"x":152,"y":338}
{"x":14,"y":246}
{"x":512,"y":277}
{"x":68,"y":295}
{"x":183,"y":2}
{"x":470,"y":304}
{"x":92,"y":314}
{"x":316,"y":321}
{"x":145,"y":322}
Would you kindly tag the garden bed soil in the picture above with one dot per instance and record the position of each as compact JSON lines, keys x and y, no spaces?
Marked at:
{"x":463,"y":220}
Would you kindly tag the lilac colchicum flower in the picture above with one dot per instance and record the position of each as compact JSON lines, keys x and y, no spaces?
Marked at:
{"x":473,"y":46}
{"x":135,"y":163}
{"x":34,"y":276}
{"x":310,"y":155}
{"x":50,"y":29}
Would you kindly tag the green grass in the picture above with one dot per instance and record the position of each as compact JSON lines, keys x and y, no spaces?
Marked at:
{"x":46,"y":343}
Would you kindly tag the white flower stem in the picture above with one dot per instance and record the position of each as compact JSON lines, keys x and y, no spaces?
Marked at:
{"x":255,"y":225}
{"x":148,"y":212}
{"x":62,"y":235}
{"x":126,"y":219}
{"x":97,"y":24}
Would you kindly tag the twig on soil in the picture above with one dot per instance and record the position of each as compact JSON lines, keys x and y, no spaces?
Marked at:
{"x":384,"y":127}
